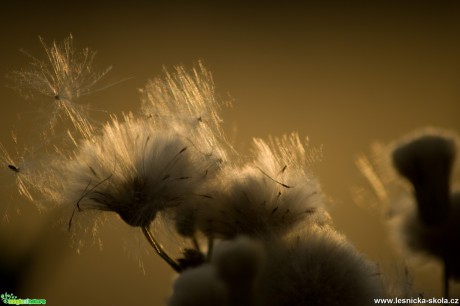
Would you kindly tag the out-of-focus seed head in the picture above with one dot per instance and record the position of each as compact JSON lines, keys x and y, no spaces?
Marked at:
{"x":426,"y":161}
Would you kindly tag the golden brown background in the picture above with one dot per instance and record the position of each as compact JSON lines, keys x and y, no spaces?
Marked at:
{"x":342,"y":73}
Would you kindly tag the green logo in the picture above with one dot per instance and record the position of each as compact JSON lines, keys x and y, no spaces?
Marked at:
{"x":11,"y":299}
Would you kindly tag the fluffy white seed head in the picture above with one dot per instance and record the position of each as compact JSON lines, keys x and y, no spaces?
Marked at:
{"x":318,"y":268}
{"x":426,"y":160}
{"x":425,"y":226}
{"x":186,"y":102}
{"x":133,"y":169}
{"x":269,"y":196}
{"x":199,"y":287}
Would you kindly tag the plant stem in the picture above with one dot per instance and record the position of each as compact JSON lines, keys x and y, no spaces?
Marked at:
{"x":210,"y":247}
{"x":159,"y":249}
{"x":195,"y":243}
{"x":446,"y":277}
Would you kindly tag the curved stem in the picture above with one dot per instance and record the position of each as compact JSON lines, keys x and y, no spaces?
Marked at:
{"x":159,"y":249}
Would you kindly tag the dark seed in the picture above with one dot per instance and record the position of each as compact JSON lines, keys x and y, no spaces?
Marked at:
{"x":14,"y":168}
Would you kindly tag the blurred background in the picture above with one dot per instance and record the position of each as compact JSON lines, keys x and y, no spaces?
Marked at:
{"x":345,"y":74}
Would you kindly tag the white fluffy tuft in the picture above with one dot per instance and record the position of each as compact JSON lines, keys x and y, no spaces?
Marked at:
{"x":318,"y":268}
{"x":133,"y":169}
{"x":269,"y":196}
{"x":426,"y":160}
{"x":199,"y":287}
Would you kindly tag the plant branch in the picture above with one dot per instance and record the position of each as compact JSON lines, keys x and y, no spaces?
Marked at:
{"x":159,"y":249}
{"x":210,"y":248}
{"x":446,"y":277}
